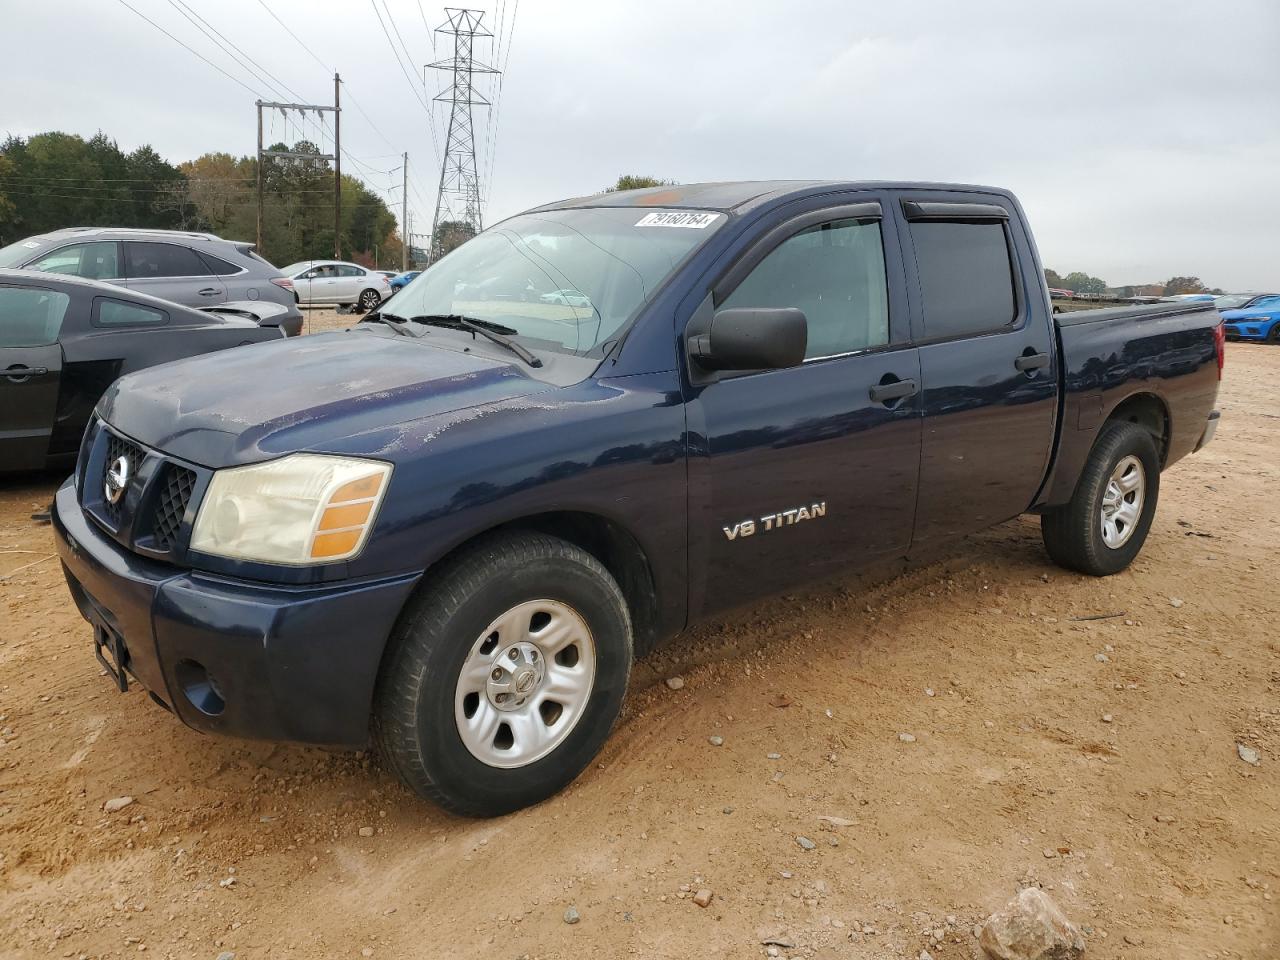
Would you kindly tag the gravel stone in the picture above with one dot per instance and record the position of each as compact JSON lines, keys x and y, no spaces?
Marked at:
{"x":907,"y":737}
{"x":716,"y":741}
{"x":675,"y":683}
{"x":806,"y":843}
{"x":571,"y":916}
{"x":1248,"y":754}
{"x":116,"y":803}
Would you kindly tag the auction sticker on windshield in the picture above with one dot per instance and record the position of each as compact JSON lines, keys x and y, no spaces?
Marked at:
{"x":694,"y":219}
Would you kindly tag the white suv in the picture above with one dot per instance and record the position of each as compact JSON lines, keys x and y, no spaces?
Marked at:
{"x":336,"y":281}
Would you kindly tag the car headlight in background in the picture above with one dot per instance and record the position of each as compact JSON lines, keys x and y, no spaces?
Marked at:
{"x":302,"y":509}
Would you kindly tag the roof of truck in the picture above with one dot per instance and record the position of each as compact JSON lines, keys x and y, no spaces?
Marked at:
{"x":737,"y":196}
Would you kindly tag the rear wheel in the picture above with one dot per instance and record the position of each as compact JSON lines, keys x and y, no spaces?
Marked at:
{"x":505,"y":675}
{"x":1103,"y":527}
{"x":368,"y":300}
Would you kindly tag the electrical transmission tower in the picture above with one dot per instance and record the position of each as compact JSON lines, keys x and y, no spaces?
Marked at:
{"x":458,"y":199}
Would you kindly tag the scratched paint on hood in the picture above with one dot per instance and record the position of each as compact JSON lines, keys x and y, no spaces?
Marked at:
{"x":248,"y":404}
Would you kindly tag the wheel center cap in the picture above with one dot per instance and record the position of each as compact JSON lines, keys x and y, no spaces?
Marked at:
{"x":515,"y":676}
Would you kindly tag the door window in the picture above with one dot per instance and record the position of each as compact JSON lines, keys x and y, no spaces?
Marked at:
{"x":346,"y":270}
{"x":98,"y":260}
{"x":120,"y":313}
{"x":31,"y":318}
{"x":966,"y":277}
{"x":834,"y":272}
{"x":145,"y":260}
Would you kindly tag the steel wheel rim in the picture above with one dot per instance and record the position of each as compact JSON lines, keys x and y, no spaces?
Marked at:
{"x":525,"y":683}
{"x":1122,"y":501}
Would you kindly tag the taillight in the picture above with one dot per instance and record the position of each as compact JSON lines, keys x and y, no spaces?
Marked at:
{"x":283,"y":282}
{"x":1220,"y":344}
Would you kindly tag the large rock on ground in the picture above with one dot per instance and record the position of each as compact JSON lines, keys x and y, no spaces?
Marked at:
{"x":1031,"y":927}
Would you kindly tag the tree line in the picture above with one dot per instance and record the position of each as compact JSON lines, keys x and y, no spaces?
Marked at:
{"x":1079,"y":282}
{"x":53,"y":180}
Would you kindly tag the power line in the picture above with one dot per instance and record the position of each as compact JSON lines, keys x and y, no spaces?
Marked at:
{"x":289,"y":31}
{"x":189,"y":49}
{"x":239,"y":56}
{"x":497,"y":107}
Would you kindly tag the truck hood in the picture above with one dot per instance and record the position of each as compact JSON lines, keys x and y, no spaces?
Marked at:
{"x":253,"y":403}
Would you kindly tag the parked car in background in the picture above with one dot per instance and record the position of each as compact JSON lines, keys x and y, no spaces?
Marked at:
{"x":1259,"y":321}
{"x":402,"y":280}
{"x":462,"y":549}
{"x":193,"y":269}
{"x":1239,"y":301}
{"x":389,"y":274}
{"x":64,"y":340}
{"x":317,"y":282}
{"x":1192,"y":297}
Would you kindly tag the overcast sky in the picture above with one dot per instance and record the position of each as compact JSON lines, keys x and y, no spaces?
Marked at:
{"x":1143,"y":137}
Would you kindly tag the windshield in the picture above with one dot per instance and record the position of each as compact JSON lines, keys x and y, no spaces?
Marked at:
{"x":16,"y":254}
{"x":568,"y":280}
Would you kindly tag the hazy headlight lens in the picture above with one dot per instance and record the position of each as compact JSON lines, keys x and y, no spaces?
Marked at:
{"x":302,"y":509}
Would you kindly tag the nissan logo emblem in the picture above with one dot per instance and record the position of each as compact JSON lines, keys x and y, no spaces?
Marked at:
{"x":118,"y":476}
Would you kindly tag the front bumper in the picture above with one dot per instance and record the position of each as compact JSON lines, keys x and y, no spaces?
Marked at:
{"x":1246,"y":331}
{"x":230,"y":656}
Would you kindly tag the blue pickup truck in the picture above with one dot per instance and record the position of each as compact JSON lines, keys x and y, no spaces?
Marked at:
{"x":451,"y":528}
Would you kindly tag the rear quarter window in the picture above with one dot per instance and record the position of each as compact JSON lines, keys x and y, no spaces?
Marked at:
{"x":121,"y":313}
{"x":966,"y":277}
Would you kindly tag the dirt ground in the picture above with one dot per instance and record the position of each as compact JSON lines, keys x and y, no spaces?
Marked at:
{"x":1094,"y":757}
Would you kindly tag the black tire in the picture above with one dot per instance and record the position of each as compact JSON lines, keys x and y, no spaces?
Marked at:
{"x":414,"y":722}
{"x":1073,"y":533}
{"x":368,"y":300}
{"x":1274,"y":335}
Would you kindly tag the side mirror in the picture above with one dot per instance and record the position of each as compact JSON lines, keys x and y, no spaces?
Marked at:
{"x":752,"y":338}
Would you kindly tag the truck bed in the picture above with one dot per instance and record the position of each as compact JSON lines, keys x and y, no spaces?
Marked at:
{"x":1169,"y":349}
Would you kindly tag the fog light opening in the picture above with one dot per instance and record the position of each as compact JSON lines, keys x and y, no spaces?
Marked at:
{"x":200,"y":688}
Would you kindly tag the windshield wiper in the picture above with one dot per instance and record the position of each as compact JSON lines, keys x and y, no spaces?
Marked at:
{"x":398,"y":324}
{"x":496,"y":332}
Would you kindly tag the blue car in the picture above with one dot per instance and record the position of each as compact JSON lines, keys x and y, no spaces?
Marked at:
{"x":1261,"y":321}
{"x":401,"y":280}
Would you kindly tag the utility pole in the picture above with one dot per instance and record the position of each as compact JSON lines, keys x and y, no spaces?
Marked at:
{"x":259,"y":243}
{"x":337,"y":169}
{"x":458,"y":197}
{"x":404,"y":215}
{"x":336,"y":157}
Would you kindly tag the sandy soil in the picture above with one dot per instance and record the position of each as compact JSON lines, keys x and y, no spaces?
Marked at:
{"x":1097,"y":758}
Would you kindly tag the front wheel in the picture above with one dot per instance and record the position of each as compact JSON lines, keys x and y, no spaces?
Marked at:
{"x":505,"y":675}
{"x":1103,"y":527}
{"x":368,"y":300}
{"x":1273,"y":336}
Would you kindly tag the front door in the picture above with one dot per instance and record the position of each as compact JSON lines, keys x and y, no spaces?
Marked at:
{"x":799,"y":472}
{"x":987,"y":361}
{"x":30,"y":373}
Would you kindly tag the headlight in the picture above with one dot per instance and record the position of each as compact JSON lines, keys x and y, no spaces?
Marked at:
{"x":302,"y":509}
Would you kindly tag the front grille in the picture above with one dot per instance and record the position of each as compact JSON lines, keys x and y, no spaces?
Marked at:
{"x":118,"y":447}
{"x":172,"y":505}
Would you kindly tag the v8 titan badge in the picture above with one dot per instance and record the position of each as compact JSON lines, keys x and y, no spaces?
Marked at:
{"x":776,"y":521}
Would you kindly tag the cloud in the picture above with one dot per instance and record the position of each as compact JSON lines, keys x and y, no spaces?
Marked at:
{"x":1143,"y":137}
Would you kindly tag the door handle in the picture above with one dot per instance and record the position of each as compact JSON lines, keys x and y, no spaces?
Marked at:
{"x":209,"y":292}
{"x":894,"y":390}
{"x":1031,"y":361}
{"x":18,"y":374}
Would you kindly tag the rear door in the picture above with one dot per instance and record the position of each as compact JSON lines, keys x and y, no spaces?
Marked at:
{"x":797,"y":473}
{"x":987,"y":361}
{"x":172,"y":272}
{"x":352,"y":280}
{"x":30,"y":372}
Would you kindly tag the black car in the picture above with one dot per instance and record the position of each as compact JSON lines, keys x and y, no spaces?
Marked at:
{"x":63,"y":340}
